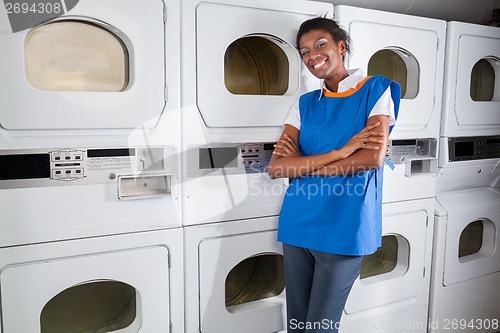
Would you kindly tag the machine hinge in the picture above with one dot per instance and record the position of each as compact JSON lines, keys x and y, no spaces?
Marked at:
{"x":424,"y":271}
{"x":170,"y":327}
{"x":166,"y":94}
{"x":165,"y":14}
{"x":427,"y":221}
{"x":168,"y":259}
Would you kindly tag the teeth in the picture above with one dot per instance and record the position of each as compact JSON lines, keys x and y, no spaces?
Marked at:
{"x":319,"y":65}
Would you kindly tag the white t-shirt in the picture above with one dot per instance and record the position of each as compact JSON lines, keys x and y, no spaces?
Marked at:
{"x":384,"y":106}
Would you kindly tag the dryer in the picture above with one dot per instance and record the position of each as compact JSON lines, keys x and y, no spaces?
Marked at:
{"x":91,"y":120}
{"x":466,"y":267}
{"x":472,"y":81}
{"x":409,"y":50}
{"x":103,"y":67}
{"x":241,"y":76}
{"x":234,"y":277}
{"x":397,"y":275}
{"x":127,"y":283}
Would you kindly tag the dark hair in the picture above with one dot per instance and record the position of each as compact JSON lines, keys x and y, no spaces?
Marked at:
{"x":327,"y":25}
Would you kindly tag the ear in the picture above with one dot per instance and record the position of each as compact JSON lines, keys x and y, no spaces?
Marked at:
{"x":342,"y":48}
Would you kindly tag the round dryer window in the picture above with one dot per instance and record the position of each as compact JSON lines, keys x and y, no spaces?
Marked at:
{"x":394,"y":253}
{"x":255,"y":278}
{"x":397,"y":65}
{"x":99,"y":306}
{"x":482,"y":80}
{"x":256,"y":65}
{"x":74,"y":55}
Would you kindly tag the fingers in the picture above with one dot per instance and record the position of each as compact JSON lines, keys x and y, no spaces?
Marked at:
{"x":286,"y":148}
{"x":370,"y":127}
{"x":370,"y":146}
{"x":292,"y":143}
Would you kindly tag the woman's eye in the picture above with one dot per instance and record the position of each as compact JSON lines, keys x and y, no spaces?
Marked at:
{"x":304,"y":53}
{"x":320,"y":44}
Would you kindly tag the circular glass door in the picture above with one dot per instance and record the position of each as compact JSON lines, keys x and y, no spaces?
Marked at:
{"x":255,"y":278}
{"x":71,"y":55}
{"x":397,"y":65}
{"x":256,"y":65}
{"x":100,"y":306}
{"x":482,"y":80}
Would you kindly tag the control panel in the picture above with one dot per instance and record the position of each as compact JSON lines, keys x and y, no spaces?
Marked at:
{"x":473,"y":148}
{"x":418,"y":155}
{"x":246,"y":157}
{"x":71,"y":166}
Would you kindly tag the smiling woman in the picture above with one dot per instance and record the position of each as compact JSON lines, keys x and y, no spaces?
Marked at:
{"x":334,"y":138}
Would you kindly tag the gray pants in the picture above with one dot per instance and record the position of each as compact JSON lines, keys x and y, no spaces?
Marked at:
{"x":317,"y":286}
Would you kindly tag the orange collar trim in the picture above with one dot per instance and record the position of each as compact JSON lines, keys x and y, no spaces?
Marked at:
{"x":348,"y":92}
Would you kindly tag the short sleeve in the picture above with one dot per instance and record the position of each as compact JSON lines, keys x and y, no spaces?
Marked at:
{"x":385,"y":106}
{"x":293,"y":117}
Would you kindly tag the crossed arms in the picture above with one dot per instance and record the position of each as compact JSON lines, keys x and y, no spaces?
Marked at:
{"x":364,"y":151}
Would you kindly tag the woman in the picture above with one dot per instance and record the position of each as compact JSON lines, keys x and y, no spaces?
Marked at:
{"x":333,"y":146}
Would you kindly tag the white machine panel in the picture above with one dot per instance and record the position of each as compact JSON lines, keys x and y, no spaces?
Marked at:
{"x":472,"y":81}
{"x":137,"y":28}
{"x":239,"y":85}
{"x":230,"y":182}
{"x":231,"y":286}
{"x":463,"y":208}
{"x":277,"y":24}
{"x":466,"y":271}
{"x":84,"y":192}
{"x":415,"y":58}
{"x":57,"y":286}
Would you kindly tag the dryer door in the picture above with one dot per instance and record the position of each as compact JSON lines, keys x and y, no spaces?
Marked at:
{"x":101,"y":66}
{"x":117,"y":292}
{"x":406,"y":49}
{"x":248,"y":71}
{"x":472,"y":80}
{"x":394,"y":274}
{"x":241,"y":283}
{"x":472,"y":233}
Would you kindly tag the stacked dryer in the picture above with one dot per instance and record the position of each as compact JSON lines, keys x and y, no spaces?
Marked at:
{"x":466,"y":261}
{"x":392,"y":292}
{"x":241,"y":75}
{"x":91,"y":235}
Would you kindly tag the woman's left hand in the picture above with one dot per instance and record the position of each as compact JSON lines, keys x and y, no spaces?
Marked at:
{"x":286,"y":148}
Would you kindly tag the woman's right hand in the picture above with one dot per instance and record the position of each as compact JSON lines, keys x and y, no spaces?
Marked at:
{"x":368,"y":138}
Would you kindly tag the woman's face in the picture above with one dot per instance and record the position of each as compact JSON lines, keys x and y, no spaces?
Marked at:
{"x":321,"y":54}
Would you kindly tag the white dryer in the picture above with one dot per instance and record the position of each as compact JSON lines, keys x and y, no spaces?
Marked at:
{"x":102,"y":68}
{"x":241,"y":74}
{"x":234,"y":277}
{"x":472,"y":81}
{"x":129,"y":284}
{"x":466,"y":264}
{"x":91,"y":120}
{"x":48,"y":195}
{"x":409,"y":50}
